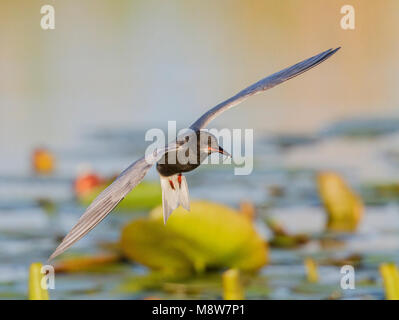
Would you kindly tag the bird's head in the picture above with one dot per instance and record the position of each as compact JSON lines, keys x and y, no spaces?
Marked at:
{"x":208,"y":144}
{"x":196,"y":146}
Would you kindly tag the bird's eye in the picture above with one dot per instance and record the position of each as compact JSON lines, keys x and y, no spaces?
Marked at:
{"x":186,"y":138}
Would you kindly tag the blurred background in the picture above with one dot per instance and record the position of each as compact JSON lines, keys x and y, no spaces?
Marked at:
{"x":75,"y":103}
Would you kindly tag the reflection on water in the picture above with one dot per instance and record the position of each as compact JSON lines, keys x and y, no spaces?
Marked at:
{"x":282,"y":186}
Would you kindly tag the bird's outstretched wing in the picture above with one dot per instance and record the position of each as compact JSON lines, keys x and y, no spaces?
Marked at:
{"x":110,"y":197}
{"x":262,"y":85}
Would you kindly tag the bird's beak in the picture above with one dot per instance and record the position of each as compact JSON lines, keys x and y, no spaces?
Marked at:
{"x":221,"y":151}
{"x":224,"y":152}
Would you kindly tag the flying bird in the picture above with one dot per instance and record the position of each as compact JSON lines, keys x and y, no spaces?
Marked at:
{"x":184,"y":154}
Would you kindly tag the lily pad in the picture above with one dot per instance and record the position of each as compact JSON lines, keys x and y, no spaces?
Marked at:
{"x":232,"y":287}
{"x":146,"y":195}
{"x":206,"y":285}
{"x":36,"y":290}
{"x":209,"y":236}
{"x":390,"y":275}
{"x":343,"y":206}
{"x":281,"y":238}
{"x":378,"y":193}
{"x":100,"y":263}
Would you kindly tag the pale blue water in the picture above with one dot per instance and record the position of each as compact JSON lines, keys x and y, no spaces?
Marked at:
{"x":29,"y":234}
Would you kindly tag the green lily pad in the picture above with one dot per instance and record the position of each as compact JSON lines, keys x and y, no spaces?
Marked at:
{"x":209,"y":236}
{"x":146,"y":195}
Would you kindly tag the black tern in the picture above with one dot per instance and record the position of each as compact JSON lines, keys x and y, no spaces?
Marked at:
{"x":198,"y":143}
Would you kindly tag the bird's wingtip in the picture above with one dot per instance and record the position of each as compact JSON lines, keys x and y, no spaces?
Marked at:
{"x":51,"y":258}
{"x":331,"y":50}
{"x":328,"y":53}
{"x":56,"y":253}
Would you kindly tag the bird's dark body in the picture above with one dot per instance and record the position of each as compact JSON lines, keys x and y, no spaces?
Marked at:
{"x":168,"y":170}
{"x":169,"y":165}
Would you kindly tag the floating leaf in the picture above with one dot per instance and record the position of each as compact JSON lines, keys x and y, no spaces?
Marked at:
{"x":390,"y":275}
{"x":86,"y":263}
{"x":198,"y":285}
{"x":343,"y":206}
{"x":43,"y":161}
{"x":276,"y":227}
{"x":232,"y":288}
{"x":207,"y":285}
{"x":146,"y":195}
{"x":311,"y":270}
{"x":256,"y":286}
{"x":281,"y":238}
{"x":86,"y":182}
{"x":328,"y":241}
{"x":48,"y":206}
{"x":150,"y":281}
{"x":36,"y":290}
{"x":377,"y":193}
{"x":289,"y":241}
{"x":352,"y":259}
{"x":210,"y":235}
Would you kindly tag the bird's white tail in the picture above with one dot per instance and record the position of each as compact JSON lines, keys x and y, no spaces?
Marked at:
{"x":174,"y":193}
